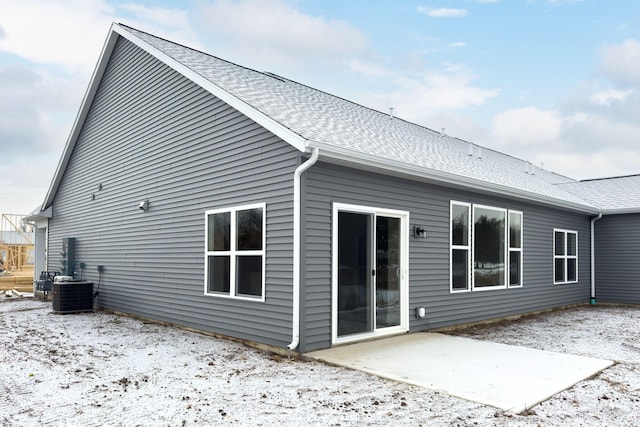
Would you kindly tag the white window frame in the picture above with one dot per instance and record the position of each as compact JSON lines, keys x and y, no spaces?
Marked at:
{"x":511,"y":250}
{"x":233,"y":253}
{"x":404,"y":271}
{"x":466,"y":247}
{"x":566,"y":257}
{"x":470,"y":247}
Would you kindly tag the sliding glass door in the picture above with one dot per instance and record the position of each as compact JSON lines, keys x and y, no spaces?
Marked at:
{"x":369,"y":278}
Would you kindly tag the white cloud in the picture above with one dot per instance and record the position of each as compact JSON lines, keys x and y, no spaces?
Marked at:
{"x":70,"y":33}
{"x":270,"y":31}
{"x":418,"y":96}
{"x":621,"y":62}
{"x":458,"y":125}
{"x":25,"y":183}
{"x":442,"y":12}
{"x":27,"y":106}
{"x":53,"y":47}
{"x":524,"y":128}
{"x":607,"y":97}
{"x":170,"y":23}
{"x":562,"y":2}
{"x":36,"y":111}
{"x":580,"y":145}
{"x":604,"y":163}
{"x":593,"y":132}
{"x":67,"y":34}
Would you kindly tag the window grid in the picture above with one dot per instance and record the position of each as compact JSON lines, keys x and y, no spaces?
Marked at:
{"x":565,"y":256}
{"x":235,"y":255}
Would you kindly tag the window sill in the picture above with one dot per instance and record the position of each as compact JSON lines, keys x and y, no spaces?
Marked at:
{"x":235,"y":297}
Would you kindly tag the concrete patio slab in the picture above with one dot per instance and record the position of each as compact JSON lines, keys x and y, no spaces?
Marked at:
{"x":507,"y":377}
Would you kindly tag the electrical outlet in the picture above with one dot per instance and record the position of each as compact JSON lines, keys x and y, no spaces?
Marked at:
{"x":100,"y":268}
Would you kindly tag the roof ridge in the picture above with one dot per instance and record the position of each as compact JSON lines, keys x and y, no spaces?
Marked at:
{"x":193,"y":49}
{"x":610,"y":177}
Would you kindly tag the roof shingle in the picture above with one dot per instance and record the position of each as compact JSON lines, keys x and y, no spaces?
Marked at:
{"x":326,"y":120}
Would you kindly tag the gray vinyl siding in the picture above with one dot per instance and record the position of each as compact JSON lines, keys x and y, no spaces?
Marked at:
{"x":428,"y":206}
{"x":617,"y":254}
{"x":152,"y":134}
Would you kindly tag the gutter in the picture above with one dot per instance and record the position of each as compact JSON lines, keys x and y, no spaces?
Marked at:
{"x":592,"y":300}
{"x":295,"y":333}
{"x":366,"y":161}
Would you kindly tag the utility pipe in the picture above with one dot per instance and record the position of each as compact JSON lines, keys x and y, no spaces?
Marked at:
{"x":295,"y":333}
{"x":592,"y":300}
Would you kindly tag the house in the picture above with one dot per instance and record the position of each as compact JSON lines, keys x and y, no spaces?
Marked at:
{"x":198,"y":192}
{"x":616,"y":235}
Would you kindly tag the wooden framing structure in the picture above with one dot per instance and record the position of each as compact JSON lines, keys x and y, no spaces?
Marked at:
{"x":16,"y":242}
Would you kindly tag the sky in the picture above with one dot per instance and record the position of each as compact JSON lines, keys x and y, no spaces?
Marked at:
{"x":554,"y":82}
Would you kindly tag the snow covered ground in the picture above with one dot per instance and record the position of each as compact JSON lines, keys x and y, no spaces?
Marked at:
{"x":102,"y":369}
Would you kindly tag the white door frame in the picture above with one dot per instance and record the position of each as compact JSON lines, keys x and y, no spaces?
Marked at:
{"x":404,"y":271}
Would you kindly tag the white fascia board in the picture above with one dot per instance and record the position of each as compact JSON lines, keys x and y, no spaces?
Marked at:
{"x":85,"y":105}
{"x":262,"y":119}
{"x":339,"y":155}
{"x":43,"y":215}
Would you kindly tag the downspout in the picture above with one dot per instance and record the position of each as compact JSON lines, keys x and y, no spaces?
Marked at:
{"x":592,"y":300}
{"x":295,"y":334}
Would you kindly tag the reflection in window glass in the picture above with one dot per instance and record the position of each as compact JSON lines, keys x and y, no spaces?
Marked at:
{"x":571,"y":244}
{"x":515,"y":248}
{"x":489,"y":247}
{"x":459,"y":269}
{"x":459,"y":225}
{"x":559,"y":245}
{"x":249,"y":226}
{"x":249,"y":275}
{"x":572,"y":272}
{"x":219,"y":273}
{"x":559,"y":267}
{"x":515,"y":262}
{"x":515,"y":229}
{"x":218,"y":229}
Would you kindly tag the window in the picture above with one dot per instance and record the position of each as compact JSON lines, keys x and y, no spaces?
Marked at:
{"x":460,"y":246}
{"x":486,"y":248}
{"x":515,"y":249}
{"x":489,"y":244}
{"x":565,"y":256}
{"x":234,"y":261}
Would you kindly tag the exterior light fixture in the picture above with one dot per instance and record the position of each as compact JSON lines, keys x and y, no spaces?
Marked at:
{"x":420,"y":232}
{"x":144,"y":205}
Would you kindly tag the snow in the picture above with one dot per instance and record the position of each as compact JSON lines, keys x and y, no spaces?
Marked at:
{"x":103,"y":369}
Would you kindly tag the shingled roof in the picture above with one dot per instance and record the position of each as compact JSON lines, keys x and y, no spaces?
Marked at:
{"x":616,"y":195}
{"x":343,"y":131}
